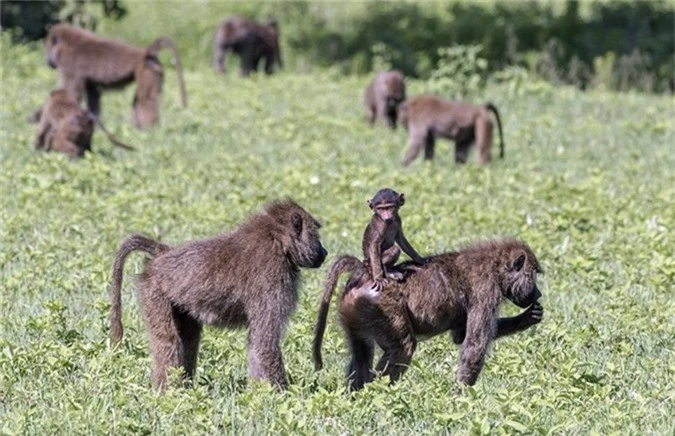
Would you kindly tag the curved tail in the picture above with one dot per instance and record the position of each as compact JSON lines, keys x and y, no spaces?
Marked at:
{"x":133,"y":243}
{"x":491,"y":107}
{"x":341,"y":264}
{"x":166,"y":42}
{"x":92,"y":116}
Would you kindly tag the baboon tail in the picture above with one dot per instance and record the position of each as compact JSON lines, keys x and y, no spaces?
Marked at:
{"x":166,"y":42}
{"x":133,"y":243}
{"x":489,"y":106}
{"x":110,"y":136}
{"x":343,"y":263}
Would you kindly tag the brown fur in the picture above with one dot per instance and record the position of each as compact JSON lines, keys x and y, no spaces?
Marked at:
{"x":456,"y":291}
{"x":428,"y":117}
{"x":67,"y":128}
{"x":384,"y":230}
{"x":383,"y":97}
{"x":88,"y":63}
{"x":247,"y":278}
{"x":251,"y":41}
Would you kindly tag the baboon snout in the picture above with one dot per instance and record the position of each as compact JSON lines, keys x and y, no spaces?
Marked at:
{"x":320,"y":256}
{"x":51,"y":62}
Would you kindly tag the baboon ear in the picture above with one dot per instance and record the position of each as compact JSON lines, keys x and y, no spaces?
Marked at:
{"x":370,"y":203}
{"x":401,"y":199}
{"x":296,"y":219}
{"x":518,"y":263}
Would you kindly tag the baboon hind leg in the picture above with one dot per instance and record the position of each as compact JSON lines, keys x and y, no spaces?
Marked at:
{"x":93,"y":99}
{"x":166,"y":348}
{"x":398,"y":343}
{"x":389,"y":258}
{"x":429,"y":144}
{"x":189,"y":330}
{"x":483,"y":132}
{"x":359,"y":372}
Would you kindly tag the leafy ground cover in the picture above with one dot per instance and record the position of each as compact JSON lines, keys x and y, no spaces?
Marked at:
{"x":587,"y":182}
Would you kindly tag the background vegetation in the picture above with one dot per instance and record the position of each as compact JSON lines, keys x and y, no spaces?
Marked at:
{"x":618,"y":44}
{"x":587,"y":182}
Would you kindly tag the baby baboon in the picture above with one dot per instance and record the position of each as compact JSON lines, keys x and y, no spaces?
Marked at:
{"x":384,"y":230}
{"x":383,"y":96}
{"x":65,"y":127}
{"x":250,"y":40}
{"x":88,"y":63}
{"x":428,"y":117}
{"x":248,"y":277}
{"x":456,"y":291}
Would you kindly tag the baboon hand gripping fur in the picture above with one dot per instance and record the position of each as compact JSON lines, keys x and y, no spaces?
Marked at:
{"x":246,"y":278}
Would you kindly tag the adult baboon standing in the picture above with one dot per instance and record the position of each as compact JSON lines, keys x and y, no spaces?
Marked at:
{"x":88,"y":63}
{"x":456,"y":291}
{"x":427,"y":117}
{"x":383,"y":97}
{"x":246,"y":278}
{"x":251,"y":41}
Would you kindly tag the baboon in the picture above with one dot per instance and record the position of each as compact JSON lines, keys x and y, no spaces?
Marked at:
{"x":65,"y":127}
{"x":457,"y":291}
{"x":248,"y":277}
{"x":251,"y":41}
{"x":383,"y":96}
{"x":427,"y":117}
{"x":384,"y":230}
{"x":88,"y":63}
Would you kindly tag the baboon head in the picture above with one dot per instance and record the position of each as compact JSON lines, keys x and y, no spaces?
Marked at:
{"x":519,"y":283}
{"x":386,"y":203}
{"x":53,"y":45}
{"x":149,"y":79}
{"x":298,"y":232}
{"x":396,"y":90}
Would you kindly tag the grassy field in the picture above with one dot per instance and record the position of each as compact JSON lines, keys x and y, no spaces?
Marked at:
{"x":587,"y":181}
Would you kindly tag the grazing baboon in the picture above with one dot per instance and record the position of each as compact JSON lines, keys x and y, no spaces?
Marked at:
{"x":428,"y":117}
{"x":384,"y":230}
{"x":251,"y":41}
{"x":383,"y":96}
{"x":456,"y":291}
{"x":88,"y":63}
{"x":248,"y":277}
{"x":65,"y":127}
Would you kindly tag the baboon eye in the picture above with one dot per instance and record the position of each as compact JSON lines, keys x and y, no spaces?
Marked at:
{"x":297,"y":222}
{"x":55,"y":39}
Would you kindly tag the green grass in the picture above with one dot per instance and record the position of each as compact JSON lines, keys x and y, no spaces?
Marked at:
{"x":587,"y":182}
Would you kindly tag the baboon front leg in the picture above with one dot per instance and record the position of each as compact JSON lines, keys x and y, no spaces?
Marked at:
{"x":93,"y":99}
{"x":166,"y":348}
{"x":383,"y":114}
{"x":483,"y":132}
{"x":264,"y":351}
{"x":532,"y":316}
{"x":189,"y":330}
{"x":269,"y":64}
{"x":219,"y":59}
{"x":359,"y":372}
{"x":429,"y":144}
{"x":479,"y":331}
{"x":416,"y":140}
{"x":372,"y":114}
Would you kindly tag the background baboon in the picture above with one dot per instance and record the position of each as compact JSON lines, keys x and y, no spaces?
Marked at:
{"x":456,"y":291}
{"x":88,"y":63}
{"x":428,"y":117}
{"x":250,"y":40}
{"x":245,"y":278}
{"x":383,"y":96}
{"x":65,"y":127}
{"x":384,"y":230}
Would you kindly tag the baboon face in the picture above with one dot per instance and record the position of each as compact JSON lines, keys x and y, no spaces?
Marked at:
{"x":299,"y":235}
{"x":150,"y":78}
{"x":52,"y":47}
{"x":386,"y":203}
{"x":521,"y":279}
